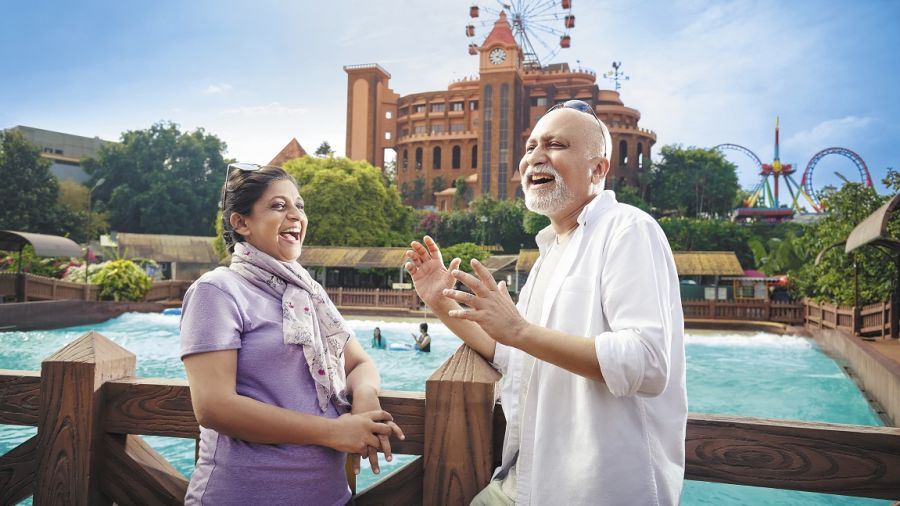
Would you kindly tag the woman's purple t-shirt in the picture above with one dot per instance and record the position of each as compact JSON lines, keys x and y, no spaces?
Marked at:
{"x":221,"y":311}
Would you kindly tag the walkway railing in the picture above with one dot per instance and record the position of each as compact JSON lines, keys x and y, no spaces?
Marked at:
{"x":752,"y":310}
{"x":874,"y":320}
{"x":90,"y":410}
{"x":30,"y":287}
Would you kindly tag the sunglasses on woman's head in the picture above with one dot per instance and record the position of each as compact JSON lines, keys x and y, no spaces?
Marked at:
{"x":243,"y":167}
{"x":582,"y":106}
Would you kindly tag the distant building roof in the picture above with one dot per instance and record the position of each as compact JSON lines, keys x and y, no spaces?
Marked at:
{"x":500,"y":33}
{"x":496,"y":263}
{"x":687,"y":263}
{"x":168,"y":248}
{"x":707,"y":263}
{"x":359,"y":258}
{"x":291,"y":151}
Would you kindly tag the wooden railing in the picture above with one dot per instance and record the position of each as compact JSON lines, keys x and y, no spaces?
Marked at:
{"x":30,"y":287}
{"x":751,"y":310}
{"x":90,"y":412}
{"x":374,"y":297}
{"x":874,"y":320}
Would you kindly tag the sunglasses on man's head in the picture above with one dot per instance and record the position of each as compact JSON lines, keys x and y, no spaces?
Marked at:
{"x":582,"y":106}
{"x":244,"y":167}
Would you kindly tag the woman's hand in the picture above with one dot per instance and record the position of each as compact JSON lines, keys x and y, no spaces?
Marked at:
{"x":426,"y":266}
{"x":367,"y":402}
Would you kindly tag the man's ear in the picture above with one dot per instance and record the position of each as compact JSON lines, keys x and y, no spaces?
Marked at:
{"x":601,"y":169}
{"x":239,"y":224}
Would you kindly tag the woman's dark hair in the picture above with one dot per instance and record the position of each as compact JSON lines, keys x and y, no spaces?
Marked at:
{"x":423,"y":327}
{"x":241,"y":190}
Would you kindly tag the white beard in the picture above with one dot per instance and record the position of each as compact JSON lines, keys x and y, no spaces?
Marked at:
{"x":546,"y":202}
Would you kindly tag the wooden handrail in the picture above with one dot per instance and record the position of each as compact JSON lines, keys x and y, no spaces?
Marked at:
{"x":455,"y":425}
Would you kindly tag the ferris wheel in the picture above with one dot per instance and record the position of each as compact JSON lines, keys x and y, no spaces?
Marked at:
{"x":540,"y":27}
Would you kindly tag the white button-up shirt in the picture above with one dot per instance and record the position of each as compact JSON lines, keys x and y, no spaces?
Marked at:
{"x":620,"y":441}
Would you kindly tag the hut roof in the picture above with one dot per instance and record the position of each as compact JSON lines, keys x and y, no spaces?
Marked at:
{"x":292,"y":150}
{"x":168,"y":248}
{"x":707,"y":263}
{"x":496,"y":263}
{"x":359,"y":258}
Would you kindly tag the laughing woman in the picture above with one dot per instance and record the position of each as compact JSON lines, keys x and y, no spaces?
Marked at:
{"x":272,"y":365}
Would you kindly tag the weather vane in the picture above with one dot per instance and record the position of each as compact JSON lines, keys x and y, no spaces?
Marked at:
{"x":615,"y":76}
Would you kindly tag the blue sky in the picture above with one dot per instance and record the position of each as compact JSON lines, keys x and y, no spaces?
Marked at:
{"x":258,"y":73}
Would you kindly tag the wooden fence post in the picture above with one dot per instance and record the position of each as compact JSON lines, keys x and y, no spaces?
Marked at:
{"x":377,"y":294}
{"x":459,"y":436}
{"x":340,"y":296}
{"x":70,"y":436}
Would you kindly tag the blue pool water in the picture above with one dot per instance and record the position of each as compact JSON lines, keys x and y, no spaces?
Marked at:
{"x":746,"y":374}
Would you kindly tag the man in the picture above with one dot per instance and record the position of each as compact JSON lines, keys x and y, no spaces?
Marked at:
{"x":423,"y":340}
{"x":593,"y":354}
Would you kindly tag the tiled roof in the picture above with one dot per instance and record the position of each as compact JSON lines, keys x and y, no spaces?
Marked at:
{"x":168,"y":248}
{"x":291,"y":151}
{"x":687,"y":263}
{"x":500,"y":33}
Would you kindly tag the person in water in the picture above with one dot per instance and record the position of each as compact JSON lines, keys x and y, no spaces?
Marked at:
{"x":423,"y":340}
{"x":378,"y":342}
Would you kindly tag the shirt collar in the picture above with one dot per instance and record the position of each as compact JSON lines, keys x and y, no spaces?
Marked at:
{"x":591,"y":211}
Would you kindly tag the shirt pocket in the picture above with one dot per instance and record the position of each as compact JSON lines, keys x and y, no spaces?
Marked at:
{"x":576,"y":304}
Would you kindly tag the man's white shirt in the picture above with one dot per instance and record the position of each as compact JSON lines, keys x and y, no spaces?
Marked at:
{"x":621,"y":441}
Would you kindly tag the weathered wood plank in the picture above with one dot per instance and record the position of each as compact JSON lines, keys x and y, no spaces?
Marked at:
{"x":149,"y":406}
{"x":400,"y":488}
{"x":70,"y":450}
{"x":815,"y":457}
{"x":162,"y":407}
{"x":134,"y":473}
{"x":17,"y":472}
{"x":460,"y":399}
{"x":20,"y":393}
{"x":408,"y":409}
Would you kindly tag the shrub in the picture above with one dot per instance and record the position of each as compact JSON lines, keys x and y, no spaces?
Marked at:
{"x":466,"y":251}
{"x":122,"y":280}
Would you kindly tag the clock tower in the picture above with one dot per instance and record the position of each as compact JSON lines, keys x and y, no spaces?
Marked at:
{"x":502,"y":121}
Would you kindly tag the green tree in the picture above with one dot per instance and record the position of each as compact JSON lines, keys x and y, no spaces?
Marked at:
{"x":418,"y":191}
{"x":628,"y":194}
{"x":778,"y":255}
{"x":466,"y":251}
{"x":832,"y":279}
{"x":349,"y":205}
{"x":74,"y":197}
{"x":30,"y":192}
{"x":500,"y":222}
{"x":693,"y":182}
{"x":532,"y":222}
{"x":438,"y":184}
{"x":461,"y":196}
{"x":160,"y":180}
{"x":324,"y":149}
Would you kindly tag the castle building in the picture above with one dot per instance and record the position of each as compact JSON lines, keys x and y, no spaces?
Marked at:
{"x":477,"y":128}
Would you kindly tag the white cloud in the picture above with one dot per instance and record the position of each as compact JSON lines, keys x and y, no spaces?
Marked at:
{"x":832,"y":132}
{"x":270,"y":109}
{"x":217,"y":89}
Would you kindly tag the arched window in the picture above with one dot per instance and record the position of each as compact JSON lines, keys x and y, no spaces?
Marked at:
{"x":623,"y":152}
{"x":436,"y":157}
{"x":405,"y":163}
{"x":457,"y":154}
{"x":640,"y":156}
{"x":418,"y":158}
{"x":475,"y":156}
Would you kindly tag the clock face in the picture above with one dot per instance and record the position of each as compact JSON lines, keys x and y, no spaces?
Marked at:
{"x":497,"y":56}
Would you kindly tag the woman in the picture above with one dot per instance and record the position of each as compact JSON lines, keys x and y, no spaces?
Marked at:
{"x":271,"y":363}
{"x":378,"y":342}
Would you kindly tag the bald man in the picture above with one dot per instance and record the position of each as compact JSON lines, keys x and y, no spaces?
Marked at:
{"x":593,"y":352}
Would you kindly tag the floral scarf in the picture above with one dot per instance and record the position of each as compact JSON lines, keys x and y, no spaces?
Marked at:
{"x":309,"y":318}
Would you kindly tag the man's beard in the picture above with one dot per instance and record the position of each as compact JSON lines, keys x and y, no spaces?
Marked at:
{"x":546,"y":202}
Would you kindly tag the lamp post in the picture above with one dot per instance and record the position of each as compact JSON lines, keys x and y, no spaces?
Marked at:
{"x":484,"y":220}
{"x":87,"y":248}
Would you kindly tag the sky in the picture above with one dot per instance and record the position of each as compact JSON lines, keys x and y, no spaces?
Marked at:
{"x":256,"y":74}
